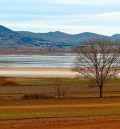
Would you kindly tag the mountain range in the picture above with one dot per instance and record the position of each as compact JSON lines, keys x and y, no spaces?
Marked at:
{"x":25,"y":40}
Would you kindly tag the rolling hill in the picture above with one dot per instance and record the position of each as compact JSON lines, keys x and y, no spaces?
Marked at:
{"x":25,"y":40}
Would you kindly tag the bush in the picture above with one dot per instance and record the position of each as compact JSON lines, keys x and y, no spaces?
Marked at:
{"x":7,"y":82}
{"x":37,"y":96}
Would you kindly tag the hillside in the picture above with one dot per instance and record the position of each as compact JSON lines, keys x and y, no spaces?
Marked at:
{"x":25,"y":40}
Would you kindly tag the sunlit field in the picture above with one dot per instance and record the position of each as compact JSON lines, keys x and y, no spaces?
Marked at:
{"x":80,"y":104}
{"x":16,"y":88}
{"x":60,"y":113}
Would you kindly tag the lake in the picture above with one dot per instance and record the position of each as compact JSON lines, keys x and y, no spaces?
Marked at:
{"x":37,"y":60}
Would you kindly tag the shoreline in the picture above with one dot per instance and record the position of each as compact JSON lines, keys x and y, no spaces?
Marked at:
{"x":39,"y":72}
{"x":35,"y":72}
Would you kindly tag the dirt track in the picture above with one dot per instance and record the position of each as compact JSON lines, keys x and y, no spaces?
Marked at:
{"x":60,"y":106}
{"x":91,"y":122}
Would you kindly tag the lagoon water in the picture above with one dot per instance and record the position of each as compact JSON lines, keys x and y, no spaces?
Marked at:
{"x":66,"y":60}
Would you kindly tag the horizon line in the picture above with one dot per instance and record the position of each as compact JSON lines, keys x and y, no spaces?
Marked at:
{"x":60,"y":32}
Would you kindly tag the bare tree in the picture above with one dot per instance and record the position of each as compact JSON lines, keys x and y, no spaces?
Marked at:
{"x":60,"y":89}
{"x":98,"y":60}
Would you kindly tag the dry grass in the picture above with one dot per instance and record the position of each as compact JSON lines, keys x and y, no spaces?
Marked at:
{"x":18,"y":88}
{"x":21,"y":109}
{"x":88,"y":113}
{"x":92,"y":122}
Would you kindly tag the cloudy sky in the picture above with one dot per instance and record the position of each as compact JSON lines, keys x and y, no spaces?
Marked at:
{"x":71,"y":16}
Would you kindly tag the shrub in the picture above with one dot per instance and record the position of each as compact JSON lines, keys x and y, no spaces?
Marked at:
{"x":37,"y":96}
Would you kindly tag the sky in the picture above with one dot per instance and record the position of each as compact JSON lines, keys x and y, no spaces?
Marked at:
{"x":69,"y":16}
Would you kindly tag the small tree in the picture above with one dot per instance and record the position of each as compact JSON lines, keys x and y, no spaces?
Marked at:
{"x":99,"y":61}
{"x":60,"y":89}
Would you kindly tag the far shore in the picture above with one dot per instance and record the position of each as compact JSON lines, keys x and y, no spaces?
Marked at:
{"x":39,"y":72}
{"x":34,"y":52}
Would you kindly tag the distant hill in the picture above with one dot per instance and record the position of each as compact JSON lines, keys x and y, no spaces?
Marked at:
{"x":116,"y":36}
{"x":63,"y":37}
{"x":26,"y":40}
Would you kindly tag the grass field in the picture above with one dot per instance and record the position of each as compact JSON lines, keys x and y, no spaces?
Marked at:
{"x":67,"y":113}
{"x":13,"y":88}
{"x":53,"y":81}
{"x":52,"y":108}
{"x":88,"y":113}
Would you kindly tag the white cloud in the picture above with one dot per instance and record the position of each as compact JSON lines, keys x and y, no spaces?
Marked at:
{"x":111,"y":19}
{"x":111,"y":16}
{"x":100,"y":16}
{"x":38,"y":26}
{"x":92,"y":2}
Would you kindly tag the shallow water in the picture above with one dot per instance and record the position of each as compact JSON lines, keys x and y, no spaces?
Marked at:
{"x":66,"y":60}
{"x":62,"y":61}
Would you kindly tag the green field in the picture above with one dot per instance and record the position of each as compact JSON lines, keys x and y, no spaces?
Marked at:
{"x":54,"y":81}
{"x":81,"y":98}
{"x":55,"y":108}
{"x":15,"y":88}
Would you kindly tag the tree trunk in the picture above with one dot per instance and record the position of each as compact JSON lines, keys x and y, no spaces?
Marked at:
{"x":101,"y":91}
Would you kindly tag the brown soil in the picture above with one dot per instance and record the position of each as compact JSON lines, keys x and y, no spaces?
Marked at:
{"x":90,"y":122}
{"x":61,"y":106}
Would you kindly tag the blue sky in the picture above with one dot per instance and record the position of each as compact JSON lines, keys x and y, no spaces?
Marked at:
{"x":70,"y":16}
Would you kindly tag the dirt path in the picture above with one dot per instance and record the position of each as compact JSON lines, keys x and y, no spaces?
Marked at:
{"x":91,"y":122}
{"x":60,"y":106}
